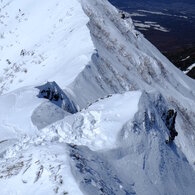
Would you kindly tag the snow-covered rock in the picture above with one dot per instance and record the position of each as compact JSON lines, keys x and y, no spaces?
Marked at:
{"x":103,"y":129}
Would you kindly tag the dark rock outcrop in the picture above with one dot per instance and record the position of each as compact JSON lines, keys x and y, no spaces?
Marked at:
{"x":57,"y":96}
{"x":170,"y":124}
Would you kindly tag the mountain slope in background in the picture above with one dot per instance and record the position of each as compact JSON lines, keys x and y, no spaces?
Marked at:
{"x":101,"y":127}
{"x":169,"y":25}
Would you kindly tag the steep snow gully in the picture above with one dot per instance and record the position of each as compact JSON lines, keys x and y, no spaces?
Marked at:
{"x":84,"y":104}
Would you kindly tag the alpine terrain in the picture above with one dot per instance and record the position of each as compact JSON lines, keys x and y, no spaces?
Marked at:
{"x":88,"y":106}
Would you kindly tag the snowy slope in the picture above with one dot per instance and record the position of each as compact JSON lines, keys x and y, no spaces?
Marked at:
{"x":103,"y":129}
{"x":42,"y":41}
{"x":125,"y":60}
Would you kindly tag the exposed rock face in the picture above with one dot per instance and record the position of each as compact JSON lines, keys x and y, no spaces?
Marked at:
{"x":170,"y":124}
{"x":54,"y":94}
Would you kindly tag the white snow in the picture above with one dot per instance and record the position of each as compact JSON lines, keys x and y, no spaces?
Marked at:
{"x":43,"y":169}
{"x":153,"y":12}
{"x":99,"y":126}
{"x":184,"y":59}
{"x":54,"y":37}
{"x":147,"y":25}
{"x":142,"y":25}
{"x":137,"y":14}
{"x":189,"y":68}
{"x":122,"y":87}
{"x":162,"y":13}
{"x":15,"y":113}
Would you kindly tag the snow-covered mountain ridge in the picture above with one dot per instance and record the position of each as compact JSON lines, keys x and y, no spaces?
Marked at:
{"x":120,"y":89}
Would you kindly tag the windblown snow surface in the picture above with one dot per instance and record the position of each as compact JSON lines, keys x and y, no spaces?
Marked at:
{"x":82,"y":104}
